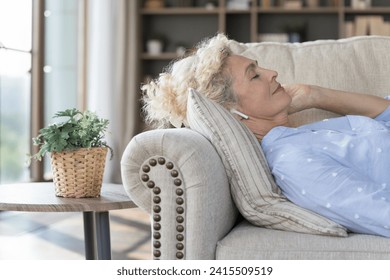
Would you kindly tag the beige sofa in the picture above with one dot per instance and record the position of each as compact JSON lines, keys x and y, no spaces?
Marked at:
{"x":179,"y":178}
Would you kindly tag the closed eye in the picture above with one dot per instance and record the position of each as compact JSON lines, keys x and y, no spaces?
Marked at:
{"x":250,"y":70}
{"x":255,"y":76}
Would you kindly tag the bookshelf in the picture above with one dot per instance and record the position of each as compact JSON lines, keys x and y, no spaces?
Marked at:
{"x":183,"y":23}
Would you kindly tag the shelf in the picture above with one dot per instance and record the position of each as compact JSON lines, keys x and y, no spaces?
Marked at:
{"x":189,"y":25}
{"x":261,"y":10}
{"x":180,"y":11}
{"x":162,"y":56}
{"x":304,"y":10}
{"x":236,"y":11}
{"x":372,"y":10}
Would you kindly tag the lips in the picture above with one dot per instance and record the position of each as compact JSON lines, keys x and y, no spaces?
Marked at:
{"x":277,"y":89}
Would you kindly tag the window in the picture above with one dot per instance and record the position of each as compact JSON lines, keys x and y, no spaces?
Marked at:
{"x":58,"y":74}
{"x":15,"y":85}
{"x":60,"y":60}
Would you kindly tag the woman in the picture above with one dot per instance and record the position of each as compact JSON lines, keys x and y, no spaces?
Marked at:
{"x":323,"y":166}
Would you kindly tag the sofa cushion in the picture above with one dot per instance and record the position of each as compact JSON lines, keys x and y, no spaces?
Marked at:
{"x":246,"y":242}
{"x":253,"y":189}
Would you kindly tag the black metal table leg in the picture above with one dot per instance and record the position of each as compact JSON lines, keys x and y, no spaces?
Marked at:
{"x":89,"y":236}
{"x":103,"y":239}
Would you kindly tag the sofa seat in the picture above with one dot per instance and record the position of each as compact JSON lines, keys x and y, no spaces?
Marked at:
{"x":248,"y":242}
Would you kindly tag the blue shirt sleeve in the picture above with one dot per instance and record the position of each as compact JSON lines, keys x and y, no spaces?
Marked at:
{"x":385,"y":115}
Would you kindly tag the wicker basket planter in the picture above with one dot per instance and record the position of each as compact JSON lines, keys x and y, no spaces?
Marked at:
{"x":78,"y":152}
{"x":78,"y":173}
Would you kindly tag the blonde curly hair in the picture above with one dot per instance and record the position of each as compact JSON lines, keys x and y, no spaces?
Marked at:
{"x":165,"y":98}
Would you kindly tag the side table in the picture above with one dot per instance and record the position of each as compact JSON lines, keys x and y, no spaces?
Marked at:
{"x":40,"y":197}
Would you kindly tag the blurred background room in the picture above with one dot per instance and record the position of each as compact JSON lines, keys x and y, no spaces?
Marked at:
{"x":94,"y":54}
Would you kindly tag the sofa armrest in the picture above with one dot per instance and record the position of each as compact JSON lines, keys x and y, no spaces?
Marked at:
{"x":178,"y":178}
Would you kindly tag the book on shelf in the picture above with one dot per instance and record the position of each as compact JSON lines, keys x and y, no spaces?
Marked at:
{"x":288,"y":4}
{"x":293,"y":4}
{"x":361,"y":25}
{"x":238,"y":4}
{"x":273,"y":37}
{"x":266,"y":3}
{"x":349,"y":29}
{"x":367,"y":25}
{"x":378,"y":26}
{"x":360,"y":4}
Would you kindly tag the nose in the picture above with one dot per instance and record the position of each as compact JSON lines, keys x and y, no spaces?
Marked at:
{"x":272,"y":74}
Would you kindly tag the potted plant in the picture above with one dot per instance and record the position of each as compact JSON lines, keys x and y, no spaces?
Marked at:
{"x":78,"y":152}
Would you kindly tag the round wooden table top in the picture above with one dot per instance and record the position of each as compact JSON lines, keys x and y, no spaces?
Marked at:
{"x":40,"y":197}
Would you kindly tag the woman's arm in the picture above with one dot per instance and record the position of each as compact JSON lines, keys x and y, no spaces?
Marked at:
{"x":349,"y":103}
{"x":336,"y":101}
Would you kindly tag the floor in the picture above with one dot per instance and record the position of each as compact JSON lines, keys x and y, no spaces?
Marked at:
{"x":60,"y":236}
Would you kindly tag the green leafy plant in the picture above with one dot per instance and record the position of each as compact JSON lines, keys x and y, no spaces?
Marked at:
{"x":80,"y":130}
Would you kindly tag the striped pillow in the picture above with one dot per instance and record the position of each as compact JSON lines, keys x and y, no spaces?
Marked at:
{"x":254,"y":191}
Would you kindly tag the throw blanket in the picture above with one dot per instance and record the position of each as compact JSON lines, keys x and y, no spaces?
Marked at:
{"x":339,"y":168}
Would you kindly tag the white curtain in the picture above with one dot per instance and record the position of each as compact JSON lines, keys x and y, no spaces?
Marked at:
{"x":112,"y":90}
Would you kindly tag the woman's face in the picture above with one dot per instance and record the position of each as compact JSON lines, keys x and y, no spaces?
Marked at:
{"x":259,"y":94}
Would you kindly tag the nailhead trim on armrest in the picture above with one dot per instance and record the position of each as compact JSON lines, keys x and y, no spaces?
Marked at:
{"x":180,"y":221}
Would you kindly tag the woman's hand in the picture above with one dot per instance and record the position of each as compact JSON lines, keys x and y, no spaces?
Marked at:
{"x":302,"y":97}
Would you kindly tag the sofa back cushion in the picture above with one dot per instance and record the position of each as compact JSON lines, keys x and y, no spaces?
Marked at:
{"x":359,"y":64}
{"x":253,"y":189}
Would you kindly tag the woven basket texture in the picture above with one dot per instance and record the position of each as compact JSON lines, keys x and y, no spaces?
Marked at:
{"x":78,"y":173}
